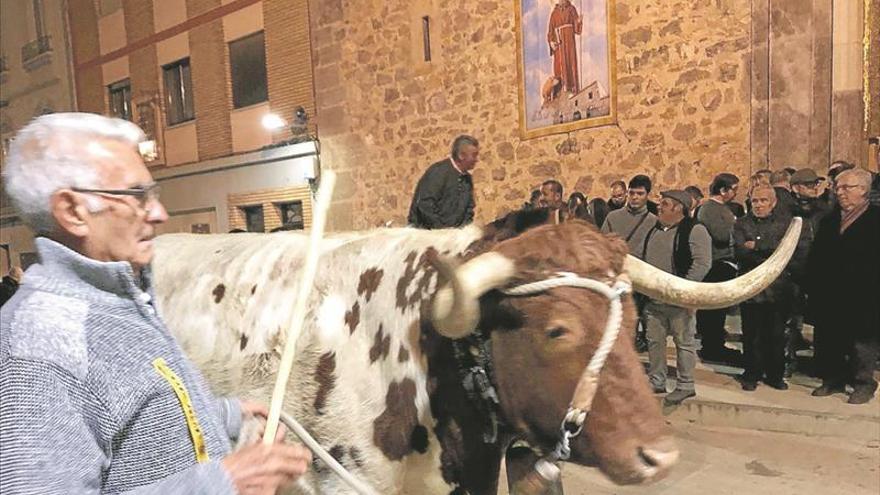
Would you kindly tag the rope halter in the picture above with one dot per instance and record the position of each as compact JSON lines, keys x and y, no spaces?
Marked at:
{"x":582,"y":400}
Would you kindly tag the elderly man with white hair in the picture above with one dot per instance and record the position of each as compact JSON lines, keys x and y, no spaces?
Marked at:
{"x":843,"y":274}
{"x":97,"y":396}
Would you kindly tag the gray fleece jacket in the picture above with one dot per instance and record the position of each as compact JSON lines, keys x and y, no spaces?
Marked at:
{"x":83,"y":407}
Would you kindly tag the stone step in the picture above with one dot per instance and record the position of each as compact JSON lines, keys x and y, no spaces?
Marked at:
{"x":776,"y":419}
{"x":720,"y":401}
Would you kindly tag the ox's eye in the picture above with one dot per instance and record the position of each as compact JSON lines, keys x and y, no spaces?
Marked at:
{"x":556,"y":332}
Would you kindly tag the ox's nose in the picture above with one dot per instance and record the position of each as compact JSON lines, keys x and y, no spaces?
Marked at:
{"x":657,"y":459}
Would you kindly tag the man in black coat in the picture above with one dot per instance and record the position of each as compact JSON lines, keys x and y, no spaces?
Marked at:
{"x":843,"y":277}
{"x":444,"y":196}
{"x":756,"y":236}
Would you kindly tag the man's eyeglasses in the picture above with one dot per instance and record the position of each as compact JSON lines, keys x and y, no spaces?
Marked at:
{"x":143,"y":194}
{"x":846,"y":187}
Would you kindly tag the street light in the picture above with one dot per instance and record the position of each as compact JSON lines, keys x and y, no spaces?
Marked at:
{"x":273,"y":122}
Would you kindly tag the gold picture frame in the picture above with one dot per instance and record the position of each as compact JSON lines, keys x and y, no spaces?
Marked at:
{"x":566,"y":65}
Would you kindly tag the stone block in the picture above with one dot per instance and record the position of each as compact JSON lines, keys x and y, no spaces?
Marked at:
{"x":636,"y":36}
{"x":546,"y":170}
{"x":505,"y":151}
{"x":684,"y":132}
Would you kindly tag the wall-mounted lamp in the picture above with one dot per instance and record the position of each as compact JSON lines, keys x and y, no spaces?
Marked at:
{"x":273,"y":122}
{"x":148,"y":150}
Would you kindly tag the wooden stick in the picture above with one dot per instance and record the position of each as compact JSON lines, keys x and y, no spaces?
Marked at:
{"x":319,"y":218}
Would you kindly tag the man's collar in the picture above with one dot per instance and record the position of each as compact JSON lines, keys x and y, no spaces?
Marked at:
{"x":668,"y":227}
{"x":636,"y":211}
{"x":113,"y":277}
{"x":457,"y":168}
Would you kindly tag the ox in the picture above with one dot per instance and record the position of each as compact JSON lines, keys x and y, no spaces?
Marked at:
{"x":377,"y":382}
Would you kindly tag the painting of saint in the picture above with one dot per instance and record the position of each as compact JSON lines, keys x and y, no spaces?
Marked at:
{"x":566,"y":69}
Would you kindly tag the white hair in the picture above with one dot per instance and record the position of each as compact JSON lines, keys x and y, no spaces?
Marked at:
{"x":863,"y":176}
{"x":49,"y":154}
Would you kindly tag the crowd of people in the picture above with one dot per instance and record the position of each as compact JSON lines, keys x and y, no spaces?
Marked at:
{"x":830,"y":282}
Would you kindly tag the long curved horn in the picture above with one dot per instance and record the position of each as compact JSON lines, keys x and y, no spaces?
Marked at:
{"x":456,"y":310}
{"x":668,"y":288}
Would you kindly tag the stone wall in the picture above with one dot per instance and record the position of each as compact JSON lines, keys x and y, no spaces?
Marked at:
{"x":684,"y":91}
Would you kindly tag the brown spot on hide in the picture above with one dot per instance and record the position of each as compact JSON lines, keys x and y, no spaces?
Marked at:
{"x":353,"y":317}
{"x":355,"y":454}
{"x":218,"y":293}
{"x":402,"y":354}
{"x":417,"y":276}
{"x":324,"y":375}
{"x":243,"y":342}
{"x":336,"y":452}
{"x":381,"y":346}
{"x":369,"y":282}
{"x":397,"y":431}
{"x":409,"y":274}
{"x":253,"y":289}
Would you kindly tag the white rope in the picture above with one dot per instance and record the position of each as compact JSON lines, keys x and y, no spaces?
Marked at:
{"x":356,"y":484}
{"x":612,"y":326}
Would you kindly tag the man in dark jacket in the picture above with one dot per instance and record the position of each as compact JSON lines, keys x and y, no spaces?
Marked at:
{"x":785,"y":202}
{"x":756,"y":236}
{"x":811,"y":204}
{"x":843,"y":277}
{"x":444,"y":196}
{"x":716,"y":215}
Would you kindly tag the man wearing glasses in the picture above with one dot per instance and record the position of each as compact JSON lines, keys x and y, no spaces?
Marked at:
{"x":97,"y":396}
{"x":843,"y":282}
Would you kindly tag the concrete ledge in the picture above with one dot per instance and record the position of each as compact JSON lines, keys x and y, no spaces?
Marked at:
{"x":775,"y":419}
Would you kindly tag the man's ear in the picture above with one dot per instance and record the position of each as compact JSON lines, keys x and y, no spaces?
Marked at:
{"x":70,"y":213}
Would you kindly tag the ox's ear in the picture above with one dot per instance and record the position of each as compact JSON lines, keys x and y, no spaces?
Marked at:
{"x":496,"y":313}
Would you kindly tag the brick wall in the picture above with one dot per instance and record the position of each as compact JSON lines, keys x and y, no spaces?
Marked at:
{"x":288,"y":57}
{"x":84,"y":38}
{"x":269,"y":198}
{"x":143,"y":64}
{"x":212,"y":88}
{"x":288,"y":60}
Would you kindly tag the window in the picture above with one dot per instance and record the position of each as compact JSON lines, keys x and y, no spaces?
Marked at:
{"x":247,"y":63}
{"x":426,"y":38}
{"x":120,"y":99}
{"x":253,"y":217}
{"x":291,"y":215}
{"x":178,"y":92}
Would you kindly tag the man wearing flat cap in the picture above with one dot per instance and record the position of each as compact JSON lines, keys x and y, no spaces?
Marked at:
{"x":679,"y":245}
{"x":810,"y":204}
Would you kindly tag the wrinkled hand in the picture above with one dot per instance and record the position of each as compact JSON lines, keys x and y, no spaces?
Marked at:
{"x":262,"y":469}
{"x":251,"y":408}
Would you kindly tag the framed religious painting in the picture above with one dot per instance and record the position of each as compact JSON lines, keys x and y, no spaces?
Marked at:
{"x":566,"y":65}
